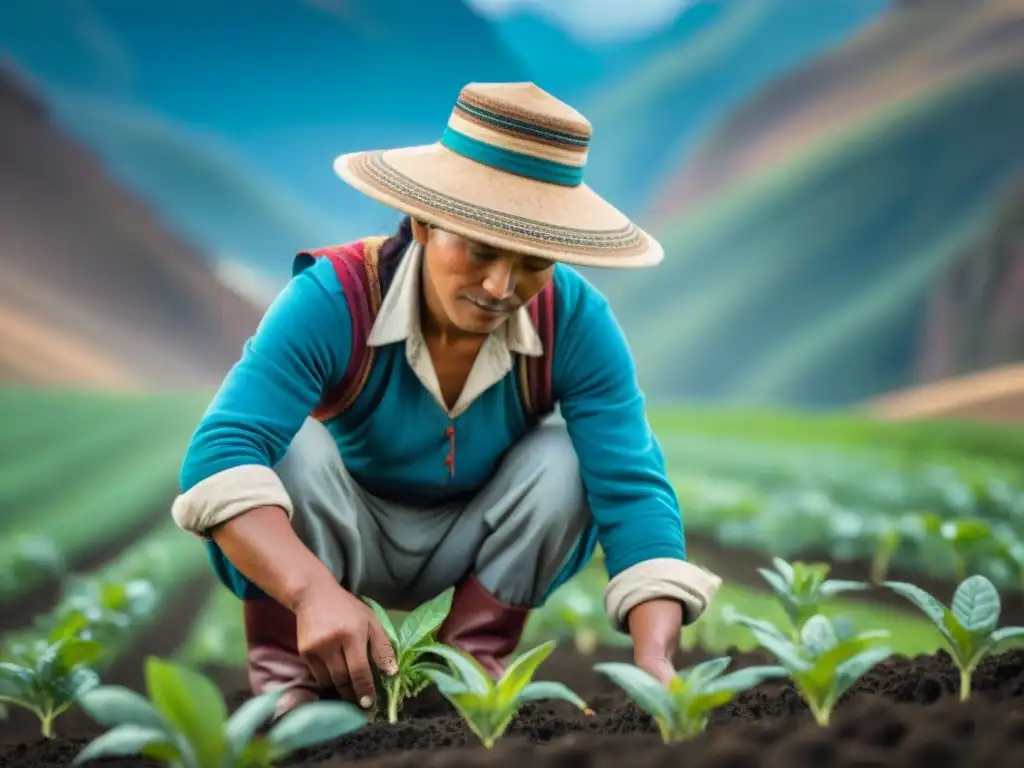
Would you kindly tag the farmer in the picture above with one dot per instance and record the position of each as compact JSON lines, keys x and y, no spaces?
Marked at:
{"x":389,"y":429}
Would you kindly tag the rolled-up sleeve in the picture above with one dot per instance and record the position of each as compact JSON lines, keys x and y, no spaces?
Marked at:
{"x":634,"y":505}
{"x":299,"y":350}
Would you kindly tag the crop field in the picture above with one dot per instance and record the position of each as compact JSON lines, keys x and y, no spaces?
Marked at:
{"x":820,"y":649}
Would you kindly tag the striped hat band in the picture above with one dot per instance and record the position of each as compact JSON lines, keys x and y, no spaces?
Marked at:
{"x":517,"y":142}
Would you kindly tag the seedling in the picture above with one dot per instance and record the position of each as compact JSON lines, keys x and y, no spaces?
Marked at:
{"x":576,"y":612}
{"x":185,"y":723}
{"x":801,"y":588}
{"x":965,"y":537}
{"x":886,"y":545}
{"x":488,"y":706}
{"x":97,"y":609}
{"x":969,"y":629}
{"x":410,"y":643}
{"x":48,"y":676}
{"x":681,"y":710}
{"x":827,"y":660}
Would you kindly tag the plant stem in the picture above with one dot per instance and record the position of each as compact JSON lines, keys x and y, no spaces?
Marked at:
{"x":965,"y":683}
{"x":820,"y":714}
{"x":393,"y":689}
{"x":47,"y":725}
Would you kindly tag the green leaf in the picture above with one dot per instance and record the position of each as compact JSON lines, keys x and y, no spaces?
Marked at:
{"x":1007,"y":634}
{"x":787,"y":653}
{"x":976,"y":605}
{"x":965,"y":531}
{"x":818,"y":636}
{"x":445,"y":683}
{"x":80,"y":682}
{"x":258,"y":753}
{"x":928,"y":605}
{"x":466,"y":668}
{"x":520,"y":672}
{"x":69,"y":625}
{"x":777,"y":583}
{"x":645,"y":691}
{"x":423,"y":621}
{"x":700,"y":705}
{"x":783,"y":568}
{"x":192,"y":704}
{"x":744,"y":679}
{"x":962,"y":642}
{"x":703,"y":673}
{"x":112,"y":705}
{"x":121,"y":741}
{"x":20,"y":677}
{"x":731,"y":616}
{"x":851,"y":670}
{"x":385,"y":622}
{"x":834,"y":587}
{"x":475,"y":711}
{"x":248,"y":718}
{"x":74,"y":651}
{"x":545,"y":690}
{"x":314,"y":723}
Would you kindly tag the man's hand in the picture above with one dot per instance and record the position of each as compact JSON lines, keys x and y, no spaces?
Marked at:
{"x":334,"y":632}
{"x":654,"y":626}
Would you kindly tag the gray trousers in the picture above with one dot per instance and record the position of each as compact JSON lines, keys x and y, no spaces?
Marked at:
{"x":514,"y":535}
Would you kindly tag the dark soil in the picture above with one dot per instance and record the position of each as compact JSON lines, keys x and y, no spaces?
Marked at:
{"x":904,"y":712}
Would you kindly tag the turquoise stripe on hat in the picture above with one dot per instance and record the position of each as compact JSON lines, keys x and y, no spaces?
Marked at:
{"x":514,"y":162}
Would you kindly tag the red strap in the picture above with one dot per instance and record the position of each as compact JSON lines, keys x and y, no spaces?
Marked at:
{"x":538,"y":369}
{"x":358,"y":279}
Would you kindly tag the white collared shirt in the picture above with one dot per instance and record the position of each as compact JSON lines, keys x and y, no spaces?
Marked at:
{"x":399,"y":320}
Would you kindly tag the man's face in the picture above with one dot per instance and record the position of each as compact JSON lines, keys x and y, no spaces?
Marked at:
{"x":478,"y":287}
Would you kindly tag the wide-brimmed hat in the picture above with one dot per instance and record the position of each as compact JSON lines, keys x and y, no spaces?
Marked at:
{"x":507,"y":171}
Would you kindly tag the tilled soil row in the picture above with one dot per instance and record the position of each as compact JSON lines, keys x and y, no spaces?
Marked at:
{"x":904,"y":712}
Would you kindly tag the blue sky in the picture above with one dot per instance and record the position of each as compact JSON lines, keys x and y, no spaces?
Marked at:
{"x":594,"y":20}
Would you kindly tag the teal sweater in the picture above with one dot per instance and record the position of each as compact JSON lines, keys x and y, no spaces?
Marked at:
{"x":393,"y":438}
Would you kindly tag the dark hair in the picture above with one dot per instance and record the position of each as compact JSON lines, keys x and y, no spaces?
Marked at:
{"x":391,"y":252}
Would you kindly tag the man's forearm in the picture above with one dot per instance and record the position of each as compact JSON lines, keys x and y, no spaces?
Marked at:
{"x":263,"y":546}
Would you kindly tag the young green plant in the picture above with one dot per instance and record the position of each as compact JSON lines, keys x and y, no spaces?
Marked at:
{"x":802,"y":588}
{"x":47,"y":676}
{"x":829,"y":657}
{"x":575,"y":611}
{"x":410,"y":643}
{"x":970,"y":628}
{"x":101,"y":609}
{"x":681,"y":709}
{"x":488,"y":706}
{"x":185,"y":723}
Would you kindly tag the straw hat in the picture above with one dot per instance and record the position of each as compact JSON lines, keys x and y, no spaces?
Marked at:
{"x":507,"y":171}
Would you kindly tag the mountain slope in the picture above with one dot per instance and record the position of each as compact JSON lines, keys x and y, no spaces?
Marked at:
{"x":283,"y":85}
{"x":804,"y":238}
{"x":975,"y":315}
{"x":720,"y":53}
{"x":92,"y":289}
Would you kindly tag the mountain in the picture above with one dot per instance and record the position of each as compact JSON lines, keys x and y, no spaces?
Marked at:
{"x":93,"y":289}
{"x":190,"y":102}
{"x":804,"y":234}
{"x":648,"y":117}
{"x":975,"y":313}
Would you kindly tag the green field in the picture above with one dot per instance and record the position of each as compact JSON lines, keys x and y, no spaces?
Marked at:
{"x":86,"y":473}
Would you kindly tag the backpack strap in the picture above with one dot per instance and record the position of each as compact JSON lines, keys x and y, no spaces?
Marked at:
{"x":535,"y":372}
{"x":355,"y":264}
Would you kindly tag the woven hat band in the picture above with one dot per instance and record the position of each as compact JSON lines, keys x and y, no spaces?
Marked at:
{"x":511,"y":161}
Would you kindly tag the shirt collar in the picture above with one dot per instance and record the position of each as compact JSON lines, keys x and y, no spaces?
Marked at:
{"x":399,"y":316}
